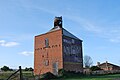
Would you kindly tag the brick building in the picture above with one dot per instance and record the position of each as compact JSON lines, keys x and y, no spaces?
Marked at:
{"x":57,"y":49}
{"x":107,"y":66}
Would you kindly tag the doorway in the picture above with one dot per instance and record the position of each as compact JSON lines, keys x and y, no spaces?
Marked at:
{"x":55,"y":68}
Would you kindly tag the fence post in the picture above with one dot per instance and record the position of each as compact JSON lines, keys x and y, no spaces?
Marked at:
{"x":20,"y":72}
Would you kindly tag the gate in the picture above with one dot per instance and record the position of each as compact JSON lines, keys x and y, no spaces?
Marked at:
{"x":15,"y":74}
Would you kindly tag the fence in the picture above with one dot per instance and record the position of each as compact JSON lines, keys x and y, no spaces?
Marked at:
{"x":18,"y":75}
{"x":105,"y":72}
{"x":88,"y":72}
{"x":12,"y":76}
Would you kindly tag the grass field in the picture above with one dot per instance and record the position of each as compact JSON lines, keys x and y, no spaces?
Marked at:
{"x":97,"y":77}
{"x":5,"y":75}
{"x":26,"y":74}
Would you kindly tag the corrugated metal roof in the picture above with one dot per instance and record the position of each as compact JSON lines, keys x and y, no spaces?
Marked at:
{"x":66,"y":33}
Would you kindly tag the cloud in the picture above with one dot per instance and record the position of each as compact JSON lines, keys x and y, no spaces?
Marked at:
{"x":113,"y":34}
{"x":8,"y":44}
{"x":26,"y":53}
{"x":87,"y":25}
{"x":115,"y":39}
{"x":91,"y":26}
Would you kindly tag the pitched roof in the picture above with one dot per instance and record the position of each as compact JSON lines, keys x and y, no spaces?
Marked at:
{"x":54,"y":29}
{"x":108,"y":64}
{"x":66,"y":33}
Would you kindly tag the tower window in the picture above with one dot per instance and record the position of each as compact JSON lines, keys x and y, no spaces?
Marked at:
{"x":46,"y":43}
{"x":46,"y":62}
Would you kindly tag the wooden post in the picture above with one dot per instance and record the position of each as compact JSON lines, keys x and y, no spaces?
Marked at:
{"x":20,"y":72}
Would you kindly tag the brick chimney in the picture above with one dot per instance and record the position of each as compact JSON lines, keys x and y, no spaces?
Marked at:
{"x":106,"y":65}
{"x":106,"y":62}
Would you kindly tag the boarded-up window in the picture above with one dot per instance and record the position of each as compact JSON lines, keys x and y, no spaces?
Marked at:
{"x":46,"y":62}
{"x":46,"y":43}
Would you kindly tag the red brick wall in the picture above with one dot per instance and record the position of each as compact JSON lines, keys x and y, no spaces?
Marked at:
{"x":51,"y":54}
{"x":70,"y":66}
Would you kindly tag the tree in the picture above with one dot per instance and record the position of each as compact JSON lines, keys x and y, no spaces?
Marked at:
{"x":5,"y":68}
{"x":48,"y":76}
{"x":87,"y":61}
{"x":28,"y":69}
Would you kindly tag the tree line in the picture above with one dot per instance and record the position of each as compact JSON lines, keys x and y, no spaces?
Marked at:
{"x":6,"y":68}
{"x":87,"y":60}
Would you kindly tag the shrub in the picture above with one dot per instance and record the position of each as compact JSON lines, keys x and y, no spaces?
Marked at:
{"x":48,"y":75}
{"x":28,"y":69}
{"x":95,"y":68}
{"x":61,"y":72}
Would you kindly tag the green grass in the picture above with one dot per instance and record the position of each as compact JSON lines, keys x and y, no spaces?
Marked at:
{"x":95,"y":77}
{"x":89,"y":77}
{"x":28,"y":74}
{"x":5,"y":75}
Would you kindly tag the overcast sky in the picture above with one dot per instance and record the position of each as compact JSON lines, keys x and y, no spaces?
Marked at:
{"x":96,"y":22}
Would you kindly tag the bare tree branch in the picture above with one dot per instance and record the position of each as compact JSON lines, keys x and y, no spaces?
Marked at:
{"x":87,"y":61}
